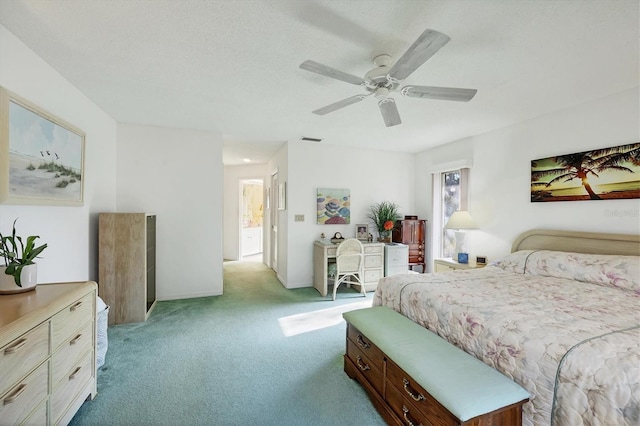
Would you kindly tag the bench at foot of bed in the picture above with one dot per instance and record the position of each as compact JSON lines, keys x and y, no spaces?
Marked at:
{"x":415,"y":377}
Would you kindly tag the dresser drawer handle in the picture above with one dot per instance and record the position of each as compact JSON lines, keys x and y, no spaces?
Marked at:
{"x":17,"y":345}
{"x":405,"y":414}
{"x":75,"y":306}
{"x":412,"y":394}
{"x":361,"y":342}
{"x":362,"y":366}
{"x":15,"y":394}
{"x":75,"y":373}
{"x":75,"y":339}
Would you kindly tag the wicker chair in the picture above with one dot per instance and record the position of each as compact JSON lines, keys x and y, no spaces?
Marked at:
{"x":349,"y":261}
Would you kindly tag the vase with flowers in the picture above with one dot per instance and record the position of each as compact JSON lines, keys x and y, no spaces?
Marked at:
{"x":384,"y":216}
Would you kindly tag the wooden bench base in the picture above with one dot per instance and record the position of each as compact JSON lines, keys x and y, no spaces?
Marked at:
{"x":400,"y":399}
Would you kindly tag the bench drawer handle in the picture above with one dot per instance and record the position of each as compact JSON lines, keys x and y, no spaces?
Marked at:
{"x":362,"y":343}
{"x":405,"y":412}
{"x":75,"y":306}
{"x":412,"y":394}
{"x":361,"y":365}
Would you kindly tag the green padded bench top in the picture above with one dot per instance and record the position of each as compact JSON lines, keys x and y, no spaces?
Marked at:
{"x":464,"y":385}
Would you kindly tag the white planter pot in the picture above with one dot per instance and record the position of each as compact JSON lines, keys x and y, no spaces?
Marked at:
{"x":28,"y":279}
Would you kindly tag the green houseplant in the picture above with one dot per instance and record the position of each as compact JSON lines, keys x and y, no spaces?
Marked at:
{"x":18,"y":254}
{"x":384,"y":215}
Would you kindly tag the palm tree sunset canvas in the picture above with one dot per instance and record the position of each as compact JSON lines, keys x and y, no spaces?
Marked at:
{"x":600,"y":174}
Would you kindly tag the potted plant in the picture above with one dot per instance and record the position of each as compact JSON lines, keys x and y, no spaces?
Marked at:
{"x":19,"y":271}
{"x":384,"y":216}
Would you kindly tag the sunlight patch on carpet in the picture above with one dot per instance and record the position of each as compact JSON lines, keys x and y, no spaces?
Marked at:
{"x":310,"y":321}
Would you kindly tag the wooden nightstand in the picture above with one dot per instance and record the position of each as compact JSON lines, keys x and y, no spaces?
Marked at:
{"x":447,"y":264}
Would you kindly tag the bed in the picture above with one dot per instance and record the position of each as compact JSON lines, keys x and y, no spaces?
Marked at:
{"x":559,"y":315}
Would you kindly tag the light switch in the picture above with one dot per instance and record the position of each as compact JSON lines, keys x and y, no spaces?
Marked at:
{"x":299,"y":218}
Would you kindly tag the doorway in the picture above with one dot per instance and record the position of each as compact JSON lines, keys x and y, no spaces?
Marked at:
{"x":251,"y":221}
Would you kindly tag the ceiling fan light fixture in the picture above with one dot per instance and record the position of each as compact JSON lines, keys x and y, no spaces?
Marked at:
{"x":381,"y":93}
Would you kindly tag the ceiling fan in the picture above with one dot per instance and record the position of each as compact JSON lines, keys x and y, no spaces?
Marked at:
{"x":382,"y":80}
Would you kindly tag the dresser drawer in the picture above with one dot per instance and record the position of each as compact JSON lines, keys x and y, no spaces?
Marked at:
{"x":370,"y":369}
{"x":372,"y":261}
{"x":71,"y":351}
{"x":372,"y":276}
{"x":38,"y":417}
{"x":18,"y":402}
{"x":70,"y":319}
{"x":377,"y":248}
{"x":23,"y":354}
{"x":403,"y":391}
{"x":73,"y":382}
{"x":439,"y":267}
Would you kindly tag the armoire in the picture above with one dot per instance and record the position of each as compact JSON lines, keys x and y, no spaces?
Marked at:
{"x":412,"y":232}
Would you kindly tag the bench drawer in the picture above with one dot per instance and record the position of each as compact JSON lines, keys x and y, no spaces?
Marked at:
{"x":367,"y":367}
{"x":368,"y":349}
{"x":402,"y":390}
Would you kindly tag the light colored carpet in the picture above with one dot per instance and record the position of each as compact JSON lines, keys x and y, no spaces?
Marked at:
{"x":260,"y":354}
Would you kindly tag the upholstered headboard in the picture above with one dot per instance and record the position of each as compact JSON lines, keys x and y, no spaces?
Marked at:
{"x":578,"y":242}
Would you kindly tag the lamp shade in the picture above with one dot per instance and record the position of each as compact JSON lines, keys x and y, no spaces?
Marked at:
{"x":461,"y":219}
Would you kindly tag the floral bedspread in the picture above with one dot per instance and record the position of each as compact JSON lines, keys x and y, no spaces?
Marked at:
{"x":565,"y":326}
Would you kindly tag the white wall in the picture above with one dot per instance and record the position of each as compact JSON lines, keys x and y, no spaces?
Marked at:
{"x":70,"y":232}
{"x":501,"y":173}
{"x":233,"y":175}
{"x":372,"y":176}
{"x":176,"y":174}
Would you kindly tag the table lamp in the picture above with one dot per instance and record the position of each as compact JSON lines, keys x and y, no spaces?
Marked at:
{"x":460,"y":220}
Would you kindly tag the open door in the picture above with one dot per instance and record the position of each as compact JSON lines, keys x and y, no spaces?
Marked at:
{"x":251,"y":222}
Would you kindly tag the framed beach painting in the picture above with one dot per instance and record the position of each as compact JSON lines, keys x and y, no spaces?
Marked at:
{"x":611,"y":173}
{"x":41,"y":156}
{"x":334,"y":206}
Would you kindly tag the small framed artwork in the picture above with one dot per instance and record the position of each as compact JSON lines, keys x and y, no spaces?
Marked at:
{"x":362,"y":232}
{"x":41,"y":156}
{"x":334,"y":206}
{"x":282,"y":196}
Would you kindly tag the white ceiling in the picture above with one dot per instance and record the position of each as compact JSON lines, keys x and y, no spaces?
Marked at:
{"x":232,"y":66}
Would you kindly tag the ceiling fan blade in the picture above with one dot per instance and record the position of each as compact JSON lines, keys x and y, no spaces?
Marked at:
{"x":442,"y":93}
{"x":331,"y":72}
{"x":340,"y":104}
{"x":423,"y":48}
{"x":389,"y":112}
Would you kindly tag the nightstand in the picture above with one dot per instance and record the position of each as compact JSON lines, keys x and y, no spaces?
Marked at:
{"x":447,"y":264}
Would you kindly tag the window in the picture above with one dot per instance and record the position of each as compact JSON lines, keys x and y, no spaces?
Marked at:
{"x":450,"y":194}
{"x":450,"y":203}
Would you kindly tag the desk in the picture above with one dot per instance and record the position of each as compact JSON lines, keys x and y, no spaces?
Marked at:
{"x":324,"y":253}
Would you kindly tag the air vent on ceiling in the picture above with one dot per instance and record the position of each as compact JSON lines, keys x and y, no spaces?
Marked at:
{"x":305,"y":138}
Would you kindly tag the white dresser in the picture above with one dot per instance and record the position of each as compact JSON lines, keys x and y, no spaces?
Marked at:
{"x":396,"y":259}
{"x":47,"y":353}
{"x":325,"y":253}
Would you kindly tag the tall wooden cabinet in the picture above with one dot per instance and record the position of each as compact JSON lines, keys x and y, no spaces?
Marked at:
{"x":412,"y":232}
{"x":127,"y":265}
